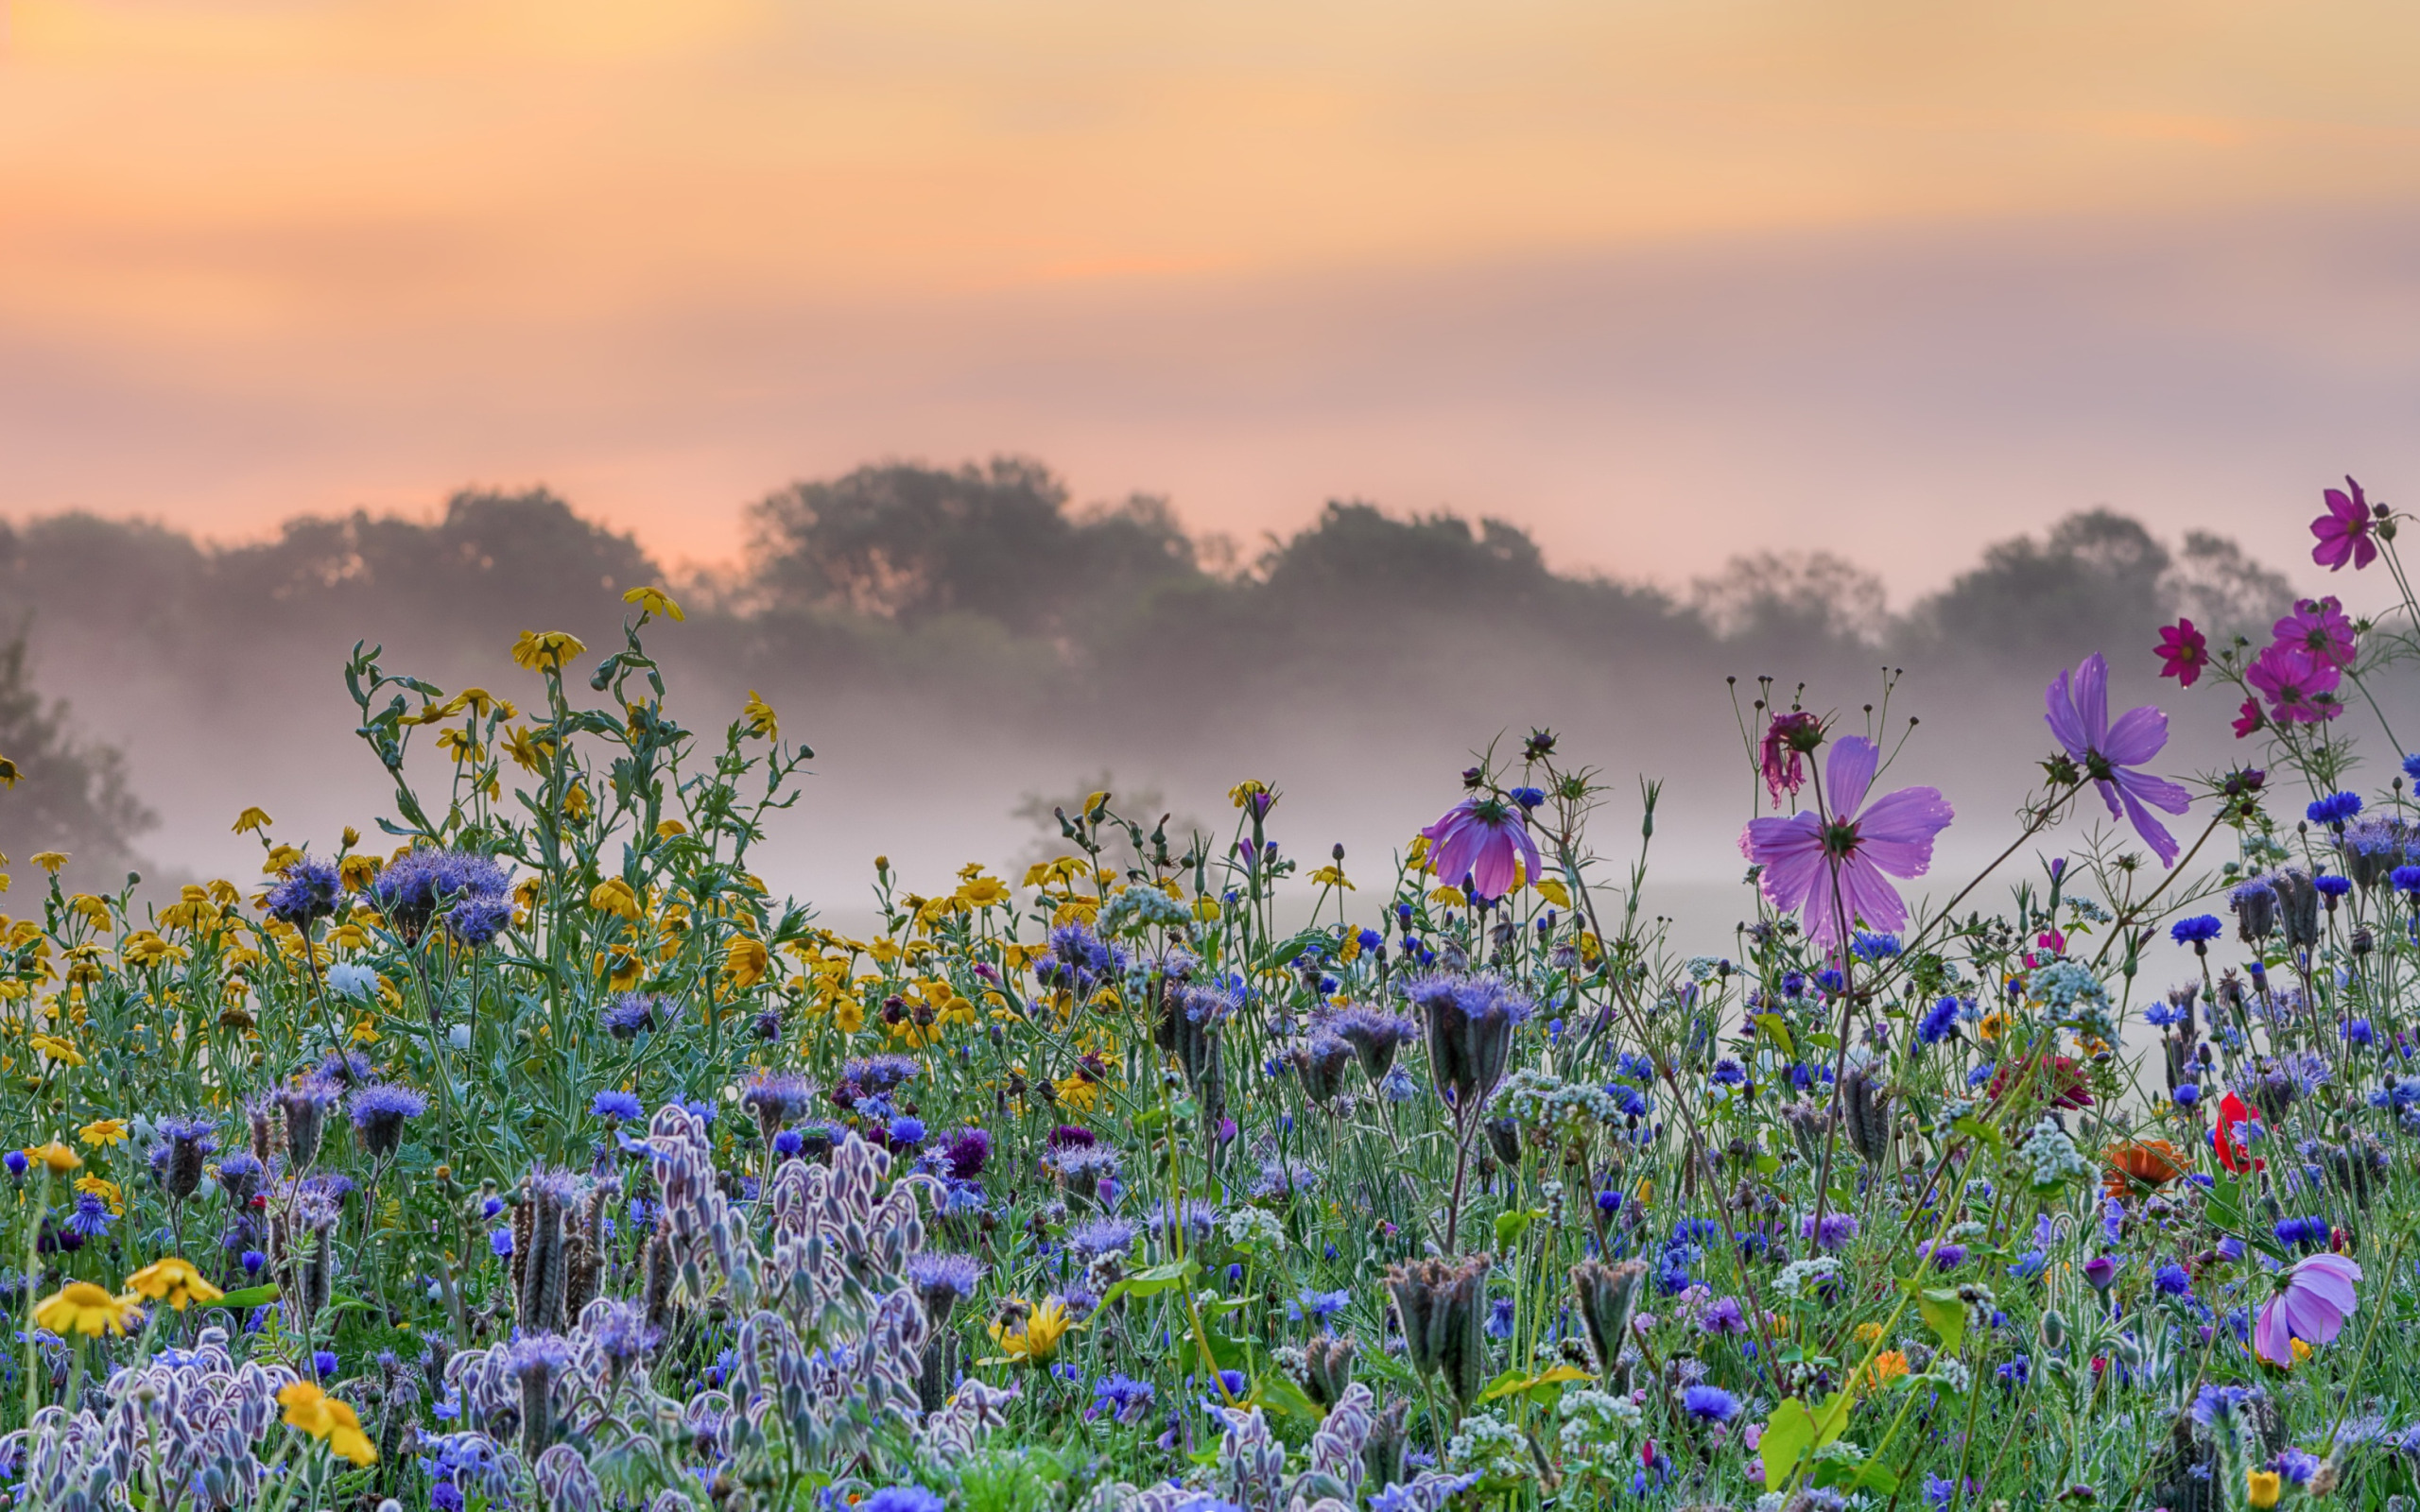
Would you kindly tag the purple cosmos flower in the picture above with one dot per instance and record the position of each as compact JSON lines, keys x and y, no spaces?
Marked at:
{"x":1801,"y":855}
{"x":2317,"y":1299}
{"x":2079,"y":715}
{"x":2344,"y":531}
{"x":1480,"y":837}
{"x":1788,"y":739}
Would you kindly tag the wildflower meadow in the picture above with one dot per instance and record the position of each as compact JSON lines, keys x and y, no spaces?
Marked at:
{"x":519,"y":1149}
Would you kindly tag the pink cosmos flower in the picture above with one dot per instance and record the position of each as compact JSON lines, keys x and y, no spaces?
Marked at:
{"x":2183,"y":651}
{"x":1862,"y":841}
{"x":2317,"y":1299}
{"x":2079,"y":715}
{"x":2300,"y":687}
{"x":2248,"y":719}
{"x":2344,"y":531}
{"x":1479,"y":838}
{"x":2319,"y":626}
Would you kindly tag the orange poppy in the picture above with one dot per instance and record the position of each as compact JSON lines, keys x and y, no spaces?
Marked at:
{"x":2140,"y":1164}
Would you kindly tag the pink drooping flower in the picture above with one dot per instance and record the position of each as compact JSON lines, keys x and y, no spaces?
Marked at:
{"x":2300,"y":687}
{"x":2317,"y":1299}
{"x":1861,"y":843}
{"x":1480,"y":839}
{"x":2248,"y":719}
{"x":2110,"y":754}
{"x":2182,"y":651}
{"x":2344,"y":530}
{"x":1782,"y":758}
{"x":2319,"y":626}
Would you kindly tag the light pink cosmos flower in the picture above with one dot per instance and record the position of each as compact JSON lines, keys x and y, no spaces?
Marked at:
{"x":1479,"y":838}
{"x":2108,"y":753}
{"x":1894,"y":834}
{"x":2344,"y":530}
{"x":2317,"y":1299}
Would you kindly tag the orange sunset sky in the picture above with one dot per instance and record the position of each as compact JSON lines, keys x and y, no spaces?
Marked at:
{"x":1663,"y":281}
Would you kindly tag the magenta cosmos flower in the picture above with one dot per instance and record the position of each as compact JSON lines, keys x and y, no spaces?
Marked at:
{"x":2317,"y":1299}
{"x":1480,"y":839}
{"x":1861,"y":842}
{"x":2110,"y":753}
{"x":2344,"y":531}
{"x":2299,"y":685}
{"x":2319,"y":626}
{"x":2183,"y":652}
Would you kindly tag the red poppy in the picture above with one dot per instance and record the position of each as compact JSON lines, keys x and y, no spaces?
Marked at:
{"x":2232,"y":1154}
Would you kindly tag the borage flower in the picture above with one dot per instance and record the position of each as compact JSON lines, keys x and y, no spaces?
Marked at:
{"x":2109,"y":753}
{"x":1804,"y":854}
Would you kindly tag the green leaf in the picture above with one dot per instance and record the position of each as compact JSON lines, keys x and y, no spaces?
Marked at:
{"x":1944,"y":1314}
{"x":1510,"y":1226}
{"x":1974,"y":1128}
{"x":1832,"y":1420}
{"x":1774,"y":1024}
{"x":1150,"y":1282}
{"x":1277,"y":1390}
{"x":1790,"y":1433}
{"x":1512,"y":1384}
{"x":250,"y":1296}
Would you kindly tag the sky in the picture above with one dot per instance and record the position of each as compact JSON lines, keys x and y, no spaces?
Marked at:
{"x":1660,"y":281}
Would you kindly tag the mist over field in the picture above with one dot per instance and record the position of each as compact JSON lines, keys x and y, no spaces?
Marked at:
{"x":965,"y":648}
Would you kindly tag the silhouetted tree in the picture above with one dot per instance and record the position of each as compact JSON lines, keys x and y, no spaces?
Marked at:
{"x":69,"y":794}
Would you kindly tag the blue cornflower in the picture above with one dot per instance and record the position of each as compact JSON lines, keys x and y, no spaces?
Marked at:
{"x":906,"y":1130}
{"x":2186,"y":1094}
{"x":1121,"y":1396}
{"x":1709,"y":1404}
{"x":252,"y":1261}
{"x":92,"y":1218}
{"x":1499,"y":1318}
{"x":2405,"y":878}
{"x":1528,"y":797}
{"x":1872,"y":945}
{"x":2199,"y":929}
{"x":1938,"y":1021}
{"x":1313,"y":1306}
{"x":2358,"y":1031}
{"x":2335,"y":808}
{"x":788,"y":1142}
{"x":2172,"y":1281}
{"x":616,"y":1105}
{"x":501,"y":1242}
{"x":323,"y":1363}
{"x":2332,"y":885}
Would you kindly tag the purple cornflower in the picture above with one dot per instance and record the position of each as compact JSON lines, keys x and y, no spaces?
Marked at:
{"x":307,"y":891}
{"x":1861,"y":842}
{"x":965,"y":1151}
{"x":411,"y":889}
{"x":1839,"y":1229}
{"x":2110,"y":754}
{"x":1723,"y":1316}
{"x":379,"y":1113}
{"x":2173,"y":1280}
{"x":1102,"y":1236}
{"x":625,"y":1015}
{"x":2199,"y":929}
{"x":907,"y":1497}
{"x":92,"y":1218}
